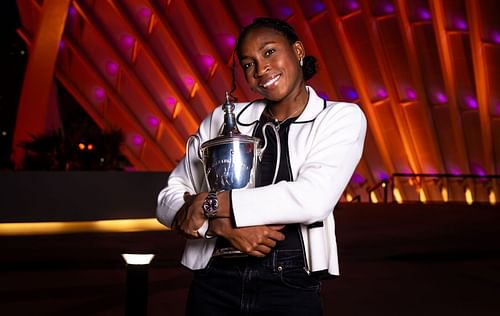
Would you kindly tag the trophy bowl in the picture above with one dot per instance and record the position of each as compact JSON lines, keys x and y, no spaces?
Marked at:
{"x":230,"y":162}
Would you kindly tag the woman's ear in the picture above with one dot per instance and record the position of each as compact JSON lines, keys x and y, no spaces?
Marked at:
{"x":299,"y":49}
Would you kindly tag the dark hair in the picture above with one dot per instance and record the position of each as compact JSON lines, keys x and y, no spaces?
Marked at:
{"x":308,"y":62}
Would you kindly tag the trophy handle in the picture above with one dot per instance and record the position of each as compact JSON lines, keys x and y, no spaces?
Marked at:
{"x":197,"y":140}
{"x":278,"y":148}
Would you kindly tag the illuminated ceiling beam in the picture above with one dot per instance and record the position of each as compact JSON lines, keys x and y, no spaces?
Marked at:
{"x":209,"y":104}
{"x":418,"y":80}
{"x":206,"y":43}
{"x":154,"y":58}
{"x":482,"y":84}
{"x":116,"y":97}
{"x":326,"y":76}
{"x":358,"y":79}
{"x":38,"y":79}
{"x":393,"y":97}
{"x":230,"y":27}
{"x":445,"y":56}
{"x":83,"y":101}
{"x":96,"y":117}
{"x":176,"y":138}
{"x":152,"y":104}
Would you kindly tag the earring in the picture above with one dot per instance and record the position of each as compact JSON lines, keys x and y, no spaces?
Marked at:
{"x":301,"y":61}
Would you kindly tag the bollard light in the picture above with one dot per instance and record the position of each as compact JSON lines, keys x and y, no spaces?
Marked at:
{"x":136,"y":301}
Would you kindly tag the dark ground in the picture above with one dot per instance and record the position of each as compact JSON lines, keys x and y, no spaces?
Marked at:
{"x":395,"y":260}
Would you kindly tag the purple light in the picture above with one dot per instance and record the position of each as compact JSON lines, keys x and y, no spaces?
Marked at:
{"x":478,"y":170}
{"x":189,"y":81}
{"x":411,"y":94}
{"x":406,"y":169}
{"x":381,"y":93}
{"x":145,"y":12}
{"x":424,"y":14}
{"x":357,"y":178}
{"x":127,"y":40}
{"x":137,"y":140}
{"x":208,"y":61}
{"x":318,"y":6}
{"x":383,"y":176}
{"x":497,"y":106}
{"x":441,"y":97}
{"x":61,"y":44}
{"x":349,"y":92}
{"x":388,"y":8}
{"x":112,"y":68}
{"x":286,"y":12}
{"x":99,"y":93}
{"x":431,"y":170}
{"x":495,"y":37}
{"x":471,"y":102}
{"x":72,"y":11}
{"x":353,"y":5}
{"x":228,"y":40}
{"x":170,"y":102}
{"x":323,"y":95}
{"x":460,"y":23}
{"x":153,"y":121}
{"x":455,"y":171}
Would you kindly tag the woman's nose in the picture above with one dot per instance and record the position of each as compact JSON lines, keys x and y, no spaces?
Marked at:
{"x":262,"y":68}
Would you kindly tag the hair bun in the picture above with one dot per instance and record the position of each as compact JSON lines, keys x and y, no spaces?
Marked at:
{"x":308,"y":67}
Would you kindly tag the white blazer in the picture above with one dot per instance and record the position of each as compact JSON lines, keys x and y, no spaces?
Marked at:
{"x":325,"y":145}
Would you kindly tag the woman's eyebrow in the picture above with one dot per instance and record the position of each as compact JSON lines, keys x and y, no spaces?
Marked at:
{"x":260,"y":48}
{"x":265,"y":44}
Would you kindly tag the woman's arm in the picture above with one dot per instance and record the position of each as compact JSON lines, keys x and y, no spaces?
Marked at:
{"x":330,"y":155}
{"x":255,"y":240}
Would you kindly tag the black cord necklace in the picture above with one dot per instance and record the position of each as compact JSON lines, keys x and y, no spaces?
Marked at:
{"x":294,"y":114}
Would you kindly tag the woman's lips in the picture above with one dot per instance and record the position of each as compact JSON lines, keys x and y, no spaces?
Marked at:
{"x":271,"y":82}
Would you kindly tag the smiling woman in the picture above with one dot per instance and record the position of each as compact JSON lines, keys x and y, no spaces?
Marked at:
{"x":272,"y":62}
{"x":284,"y":229}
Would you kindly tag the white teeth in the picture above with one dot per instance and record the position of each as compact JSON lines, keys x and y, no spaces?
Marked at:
{"x":270,"y":82}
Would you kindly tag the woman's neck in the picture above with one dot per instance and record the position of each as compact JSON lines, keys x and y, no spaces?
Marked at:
{"x":292,"y":107}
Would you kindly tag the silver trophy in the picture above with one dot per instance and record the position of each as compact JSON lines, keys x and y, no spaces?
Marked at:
{"x":232,"y":159}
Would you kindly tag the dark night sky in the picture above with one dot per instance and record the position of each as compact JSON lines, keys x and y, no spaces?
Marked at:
{"x":13,"y":58}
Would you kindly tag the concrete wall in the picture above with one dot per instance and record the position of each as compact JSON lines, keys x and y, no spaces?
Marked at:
{"x":78,"y":195}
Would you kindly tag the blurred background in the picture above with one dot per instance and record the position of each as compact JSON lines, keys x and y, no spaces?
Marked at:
{"x":122,"y":84}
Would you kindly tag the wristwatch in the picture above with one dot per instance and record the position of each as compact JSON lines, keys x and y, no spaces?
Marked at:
{"x":210,"y":205}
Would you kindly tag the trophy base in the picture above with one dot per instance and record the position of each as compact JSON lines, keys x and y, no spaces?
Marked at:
{"x":229,"y":252}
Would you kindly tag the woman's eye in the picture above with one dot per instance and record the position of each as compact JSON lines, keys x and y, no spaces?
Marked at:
{"x":269,"y":52}
{"x":247,"y":65}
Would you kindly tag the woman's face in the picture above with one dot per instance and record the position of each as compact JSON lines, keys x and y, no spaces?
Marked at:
{"x":271,"y":64}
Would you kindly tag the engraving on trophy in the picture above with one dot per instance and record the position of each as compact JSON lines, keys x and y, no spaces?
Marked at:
{"x":229,"y":166}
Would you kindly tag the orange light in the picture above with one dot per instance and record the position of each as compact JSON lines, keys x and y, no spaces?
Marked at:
{"x":101,"y":226}
{"x":348,"y":197}
{"x":90,"y":147}
{"x":81,"y":146}
{"x":397,"y":195}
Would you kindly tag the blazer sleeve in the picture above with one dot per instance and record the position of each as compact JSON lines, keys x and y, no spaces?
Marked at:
{"x":187,"y":176}
{"x":332,"y":150}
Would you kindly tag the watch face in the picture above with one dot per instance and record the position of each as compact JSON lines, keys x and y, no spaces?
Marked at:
{"x":210,"y":205}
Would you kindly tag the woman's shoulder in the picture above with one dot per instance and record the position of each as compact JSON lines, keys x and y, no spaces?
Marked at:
{"x":336,"y":108}
{"x":338,"y":105}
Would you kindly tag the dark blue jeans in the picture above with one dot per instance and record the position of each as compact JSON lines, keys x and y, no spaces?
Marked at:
{"x":275,"y":285}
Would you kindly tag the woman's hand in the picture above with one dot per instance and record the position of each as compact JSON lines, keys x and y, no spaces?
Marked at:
{"x":254,"y":240}
{"x":190,"y":217}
